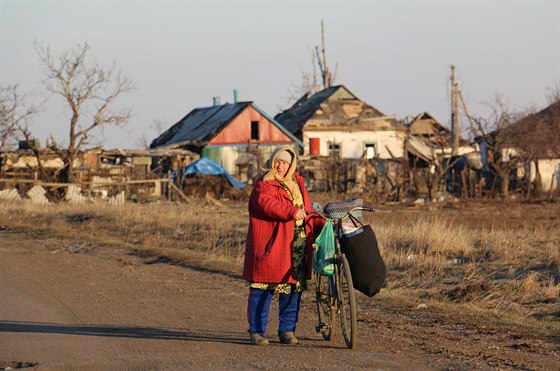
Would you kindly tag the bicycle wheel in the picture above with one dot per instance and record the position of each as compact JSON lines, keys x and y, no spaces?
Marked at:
{"x":325,"y":308}
{"x":346,"y":302}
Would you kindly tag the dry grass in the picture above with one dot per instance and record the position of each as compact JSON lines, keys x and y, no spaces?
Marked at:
{"x":500,"y":258}
{"x":194,"y":233}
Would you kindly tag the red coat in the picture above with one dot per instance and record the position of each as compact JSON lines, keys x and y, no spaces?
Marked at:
{"x":268,"y":253}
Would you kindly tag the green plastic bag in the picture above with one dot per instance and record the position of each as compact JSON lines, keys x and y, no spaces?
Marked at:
{"x":323,"y":254}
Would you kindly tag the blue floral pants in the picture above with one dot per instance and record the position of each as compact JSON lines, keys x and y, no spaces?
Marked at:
{"x":259,"y":306}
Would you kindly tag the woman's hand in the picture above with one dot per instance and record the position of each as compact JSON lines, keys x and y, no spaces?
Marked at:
{"x":300,"y":215}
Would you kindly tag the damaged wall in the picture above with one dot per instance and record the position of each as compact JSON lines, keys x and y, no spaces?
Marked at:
{"x":353,"y":144}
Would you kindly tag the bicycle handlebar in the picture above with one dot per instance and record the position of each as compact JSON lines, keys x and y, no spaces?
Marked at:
{"x":356,"y":208}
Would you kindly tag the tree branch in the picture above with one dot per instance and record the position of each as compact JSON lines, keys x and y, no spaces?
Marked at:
{"x":86,"y":87}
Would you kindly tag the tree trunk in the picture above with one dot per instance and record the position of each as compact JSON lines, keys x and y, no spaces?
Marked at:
{"x":505,"y":183}
{"x":538,"y":179}
{"x":68,"y":175}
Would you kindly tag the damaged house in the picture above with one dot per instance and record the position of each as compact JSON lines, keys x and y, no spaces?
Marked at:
{"x":238,"y":136}
{"x":433,"y":163}
{"x":430,"y":140}
{"x":526,"y":154}
{"x":334,"y":122}
{"x":347,"y":144}
{"x":137,"y":174}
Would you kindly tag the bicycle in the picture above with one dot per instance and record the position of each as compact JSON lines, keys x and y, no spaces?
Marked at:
{"x":335,"y":294}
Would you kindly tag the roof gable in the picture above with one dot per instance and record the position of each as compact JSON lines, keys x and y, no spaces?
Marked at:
{"x":425,"y":124}
{"x":303,"y":110}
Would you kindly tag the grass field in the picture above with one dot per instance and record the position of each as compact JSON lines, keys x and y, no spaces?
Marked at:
{"x":497,"y":262}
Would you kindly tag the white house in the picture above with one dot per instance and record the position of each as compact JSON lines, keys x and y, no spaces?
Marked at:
{"x":334,"y":122}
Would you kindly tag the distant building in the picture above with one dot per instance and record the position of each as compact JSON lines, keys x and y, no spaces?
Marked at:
{"x":529,"y":150}
{"x":238,"y":136}
{"x":429,"y":140}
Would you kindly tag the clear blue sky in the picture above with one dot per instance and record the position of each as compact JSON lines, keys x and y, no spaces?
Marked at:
{"x":395,"y":55}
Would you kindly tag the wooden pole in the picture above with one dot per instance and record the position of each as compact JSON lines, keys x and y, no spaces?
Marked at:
{"x":464,"y":186}
{"x":552,"y":182}
{"x":454,"y":113}
{"x":169,"y":184}
{"x":180,"y":193}
{"x":326,"y":73}
{"x":404,"y":162}
{"x":492,"y":189}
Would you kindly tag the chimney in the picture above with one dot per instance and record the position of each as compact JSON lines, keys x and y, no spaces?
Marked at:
{"x":235,"y":95}
{"x":216,"y":101}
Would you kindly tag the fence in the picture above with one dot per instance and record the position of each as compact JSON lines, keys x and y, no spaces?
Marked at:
{"x":116,"y":192}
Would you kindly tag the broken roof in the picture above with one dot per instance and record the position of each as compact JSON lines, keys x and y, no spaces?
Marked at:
{"x":427,"y":127}
{"x":296,"y":116}
{"x":202,"y":124}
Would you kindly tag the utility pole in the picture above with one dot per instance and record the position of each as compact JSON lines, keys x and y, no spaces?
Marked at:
{"x":454,"y":113}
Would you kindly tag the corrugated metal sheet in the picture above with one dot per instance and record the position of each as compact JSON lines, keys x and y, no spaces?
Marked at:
{"x":10,"y":195}
{"x":74,"y":195}
{"x":118,"y":199}
{"x":142,"y":161}
{"x":37,"y":195}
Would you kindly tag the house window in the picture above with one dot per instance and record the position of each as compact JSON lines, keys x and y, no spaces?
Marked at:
{"x":334,"y":149}
{"x":254,"y":130}
{"x":370,"y":150}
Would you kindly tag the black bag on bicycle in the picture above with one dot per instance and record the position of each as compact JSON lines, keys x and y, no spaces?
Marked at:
{"x":362,"y":252}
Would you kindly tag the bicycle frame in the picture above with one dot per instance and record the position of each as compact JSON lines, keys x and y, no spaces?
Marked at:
{"x":335,"y":294}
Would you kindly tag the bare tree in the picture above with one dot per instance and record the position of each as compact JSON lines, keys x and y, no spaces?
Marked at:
{"x":36,"y":149}
{"x":534,"y":137}
{"x":90,"y":91}
{"x":553,"y":92}
{"x":553,"y":98}
{"x":157,"y":127}
{"x":308,"y":84}
{"x":490,"y":131}
{"x":502,"y":115}
{"x":517,"y":139}
{"x":16,"y":112}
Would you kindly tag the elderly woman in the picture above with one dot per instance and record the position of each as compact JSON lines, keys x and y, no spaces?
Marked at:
{"x":279,"y":246}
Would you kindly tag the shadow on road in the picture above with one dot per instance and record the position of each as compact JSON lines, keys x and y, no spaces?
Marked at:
{"x":122,"y":331}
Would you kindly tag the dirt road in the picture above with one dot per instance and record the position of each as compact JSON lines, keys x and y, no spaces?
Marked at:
{"x":78,"y":305}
